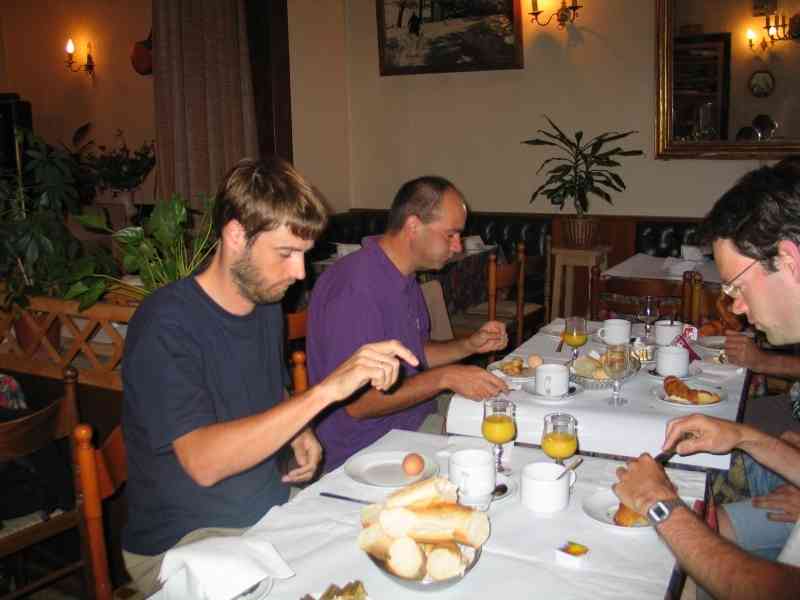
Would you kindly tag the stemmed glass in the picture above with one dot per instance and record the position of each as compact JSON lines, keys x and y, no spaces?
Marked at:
{"x":560,"y":436}
{"x":617,"y":364}
{"x":575,"y":334}
{"x":499,"y":427}
{"x":648,"y":313}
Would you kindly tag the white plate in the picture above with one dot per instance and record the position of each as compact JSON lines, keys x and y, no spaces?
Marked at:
{"x":601,"y":506}
{"x":711,"y":342}
{"x":574,"y":390}
{"x":694,"y":371}
{"x":385,"y":469}
{"x":528,"y":374}
{"x":513,"y":486}
{"x":260,"y":591}
{"x":556,"y":329}
{"x":658,"y":392}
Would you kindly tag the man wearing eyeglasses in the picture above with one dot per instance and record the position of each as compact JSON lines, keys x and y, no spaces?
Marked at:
{"x":754,"y":229}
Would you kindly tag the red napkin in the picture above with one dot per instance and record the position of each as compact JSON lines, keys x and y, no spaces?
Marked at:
{"x":682,"y":341}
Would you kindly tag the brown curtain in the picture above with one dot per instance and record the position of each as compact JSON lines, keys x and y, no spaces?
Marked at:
{"x":205,"y":116}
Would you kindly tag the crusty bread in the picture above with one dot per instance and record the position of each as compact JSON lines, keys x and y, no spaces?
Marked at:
{"x":370,"y":514}
{"x":585,"y":366}
{"x":627,"y":517}
{"x":441,"y":523}
{"x":678,"y":391}
{"x":406,"y":559}
{"x":706,"y":397}
{"x":428,"y":492}
{"x":444,"y":561}
{"x":373,"y":540}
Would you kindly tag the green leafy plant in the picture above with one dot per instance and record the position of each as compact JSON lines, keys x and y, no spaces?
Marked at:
{"x":583,"y":168}
{"x":121,"y":169}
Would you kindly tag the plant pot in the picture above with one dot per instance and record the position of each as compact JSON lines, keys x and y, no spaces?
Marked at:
{"x":580,"y":232}
{"x":27,"y":336}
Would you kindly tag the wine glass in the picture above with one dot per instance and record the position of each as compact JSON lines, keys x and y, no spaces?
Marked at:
{"x":616,"y":365}
{"x":575,"y":334}
{"x":499,"y":427}
{"x":560,"y":436}
{"x":648,"y":313}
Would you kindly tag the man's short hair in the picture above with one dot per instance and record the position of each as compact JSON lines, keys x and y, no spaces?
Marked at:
{"x":263,"y":195}
{"x":420,"y":197}
{"x":759,"y":211}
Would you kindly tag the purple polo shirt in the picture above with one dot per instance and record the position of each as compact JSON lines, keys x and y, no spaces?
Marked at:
{"x":363,"y":298}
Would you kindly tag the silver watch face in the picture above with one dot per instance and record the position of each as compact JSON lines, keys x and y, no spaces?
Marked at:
{"x":659,"y":511}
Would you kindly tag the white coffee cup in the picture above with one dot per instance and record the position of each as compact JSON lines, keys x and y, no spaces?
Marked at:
{"x":615,"y":331}
{"x":541,"y":491}
{"x":672,"y":360}
{"x":473,"y":471}
{"x":666,"y":332}
{"x":552,"y":380}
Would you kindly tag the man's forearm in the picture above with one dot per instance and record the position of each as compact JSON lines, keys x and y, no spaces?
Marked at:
{"x":778,"y":363}
{"x":411,"y":391}
{"x":438,"y":354}
{"x":720,"y":567}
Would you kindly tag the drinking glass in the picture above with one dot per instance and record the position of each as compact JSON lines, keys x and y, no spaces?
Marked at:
{"x":499,"y":427}
{"x":560,"y":436}
{"x":575,"y":334}
{"x":617,"y":364}
{"x":648,"y":313}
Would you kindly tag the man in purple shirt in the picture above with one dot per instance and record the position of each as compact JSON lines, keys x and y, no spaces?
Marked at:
{"x":373,"y":294}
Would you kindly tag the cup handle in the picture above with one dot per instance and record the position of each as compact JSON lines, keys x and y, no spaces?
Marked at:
{"x":573,"y":477}
{"x":547,"y":385}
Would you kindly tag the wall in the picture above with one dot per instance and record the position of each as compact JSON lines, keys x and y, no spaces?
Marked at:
{"x":36,"y":31}
{"x":597,"y":76}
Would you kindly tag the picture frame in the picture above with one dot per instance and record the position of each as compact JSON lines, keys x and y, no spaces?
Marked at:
{"x":762,"y":8}
{"x":448,"y":36}
{"x":761,"y":83}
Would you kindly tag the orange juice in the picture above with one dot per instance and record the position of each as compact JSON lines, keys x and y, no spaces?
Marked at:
{"x":498,"y":429}
{"x":559,"y":444}
{"x":575,"y":340}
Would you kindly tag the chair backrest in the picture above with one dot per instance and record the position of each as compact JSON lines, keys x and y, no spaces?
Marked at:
{"x":441,"y":328}
{"x":503,"y":277}
{"x":101,"y":472}
{"x":296,"y":330}
{"x":621,"y":295}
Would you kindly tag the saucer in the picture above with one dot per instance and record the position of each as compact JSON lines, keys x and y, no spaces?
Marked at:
{"x":574,"y":390}
{"x":694,"y":371}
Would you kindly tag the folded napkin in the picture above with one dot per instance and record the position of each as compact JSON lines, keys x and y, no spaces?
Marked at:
{"x":715,"y":373}
{"x":220,"y":568}
{"x":677,"y":266}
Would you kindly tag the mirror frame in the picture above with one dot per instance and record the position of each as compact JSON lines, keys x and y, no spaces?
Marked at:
{"x":668,"y":148}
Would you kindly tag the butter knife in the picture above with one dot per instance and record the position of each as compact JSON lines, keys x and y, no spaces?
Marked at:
{"x":560,"y":345}
{"x":348,"y":498}
{"x":664,"y":457}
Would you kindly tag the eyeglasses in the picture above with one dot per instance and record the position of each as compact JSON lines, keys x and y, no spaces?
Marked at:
{"x":732,"y":290}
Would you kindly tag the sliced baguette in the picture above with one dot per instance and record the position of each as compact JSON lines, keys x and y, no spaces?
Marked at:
{"x":428,"y":492}
{"x":374,"y":541}
{"x":445,"y":561}
{"x":406,"y":559}
{"x":441,"y":523}
{"x":370,"y":513}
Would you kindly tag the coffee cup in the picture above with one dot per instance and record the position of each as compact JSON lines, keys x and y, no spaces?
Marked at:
{"x":667,"y":331}
{"x":672,"y":360}
{"x":541,"y":491}
{"x":615,"y":331}
{"x":552,"y":380}
{"x":473,"y":471}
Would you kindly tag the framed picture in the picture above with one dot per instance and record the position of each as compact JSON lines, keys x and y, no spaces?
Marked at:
{"x":441,"y":36}
{"x":764,"y":7}
{"x":761,"y":84}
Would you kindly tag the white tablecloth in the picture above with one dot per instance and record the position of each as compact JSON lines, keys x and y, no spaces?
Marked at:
{"x":627,"y":430}
{"x":644,"y":266}
{"x":317,"y":537}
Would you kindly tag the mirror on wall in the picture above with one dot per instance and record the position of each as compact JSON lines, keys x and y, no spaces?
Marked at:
{"x":726,"y":89}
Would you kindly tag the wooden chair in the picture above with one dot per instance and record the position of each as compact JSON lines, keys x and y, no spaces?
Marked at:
{"x":20,"y":438}
{"x":621,"y":295}
{"x":441,"y":330}
{"x":296,"y":330}
{"x":101,"y":473}
{"x":501,"y":278}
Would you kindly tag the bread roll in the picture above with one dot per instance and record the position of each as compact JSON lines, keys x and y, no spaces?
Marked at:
{"x":534,"y":360}
{"x":445,"y":561}
{"x":428,"y":492}
{"x":374,"y":541}
{"x":370,"y":514}
{"x":442,"y":523}
{"x":585,"y":366}
{"x":627,"y":517}
{"x":406,"y":559}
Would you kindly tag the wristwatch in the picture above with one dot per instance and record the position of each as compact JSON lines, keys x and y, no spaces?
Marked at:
{"x":661,"y":510}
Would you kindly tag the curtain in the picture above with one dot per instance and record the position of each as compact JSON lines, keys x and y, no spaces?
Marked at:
{"x":204,"y":108}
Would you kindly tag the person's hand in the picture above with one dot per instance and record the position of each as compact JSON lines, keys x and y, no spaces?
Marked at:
{"x":708,"y":434}
{"x":642,"y":483}
{"x":741,"y":350}
{"x":473,"y":382}
{"x":308,"y":454}
{"x":377,"y":364}
{"x":783,"y":503}
{"x":792,"y":438}
{"x":489,"y":338}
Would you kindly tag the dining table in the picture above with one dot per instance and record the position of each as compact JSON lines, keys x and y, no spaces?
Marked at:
{"x":317,"y":535}
{"x":645,"y":266}
{"x":607,"y":428}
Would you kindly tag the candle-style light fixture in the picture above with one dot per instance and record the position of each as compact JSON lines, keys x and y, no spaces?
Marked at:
{"x":564,"y":15}
{"x":87,"y":67}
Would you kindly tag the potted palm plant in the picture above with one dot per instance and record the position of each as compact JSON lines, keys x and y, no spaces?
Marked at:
{"x":581,"y":169}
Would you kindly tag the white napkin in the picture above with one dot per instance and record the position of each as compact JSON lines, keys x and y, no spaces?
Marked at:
{"x":716,"y":373}
{"x":220,"y":568}
{"x":677,"y":266}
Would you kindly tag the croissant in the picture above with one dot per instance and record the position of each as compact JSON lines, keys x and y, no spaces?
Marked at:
{"x":677,"y":390}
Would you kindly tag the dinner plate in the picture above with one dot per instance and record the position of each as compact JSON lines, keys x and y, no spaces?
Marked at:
{"x":711,"y":342}
{"x":601,"y":506}
{"x":556,"y":329}
{"x":574,"y":390}
{"x":694,"y":371}
{"x":259,"y":591}
{"x":527,"y":374}
{"x":385,"y":469}
{"x":661,"y":395}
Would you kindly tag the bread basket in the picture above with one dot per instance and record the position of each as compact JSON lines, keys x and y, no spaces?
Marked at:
{"x":589,"y":383}
{"x":427,"y":584}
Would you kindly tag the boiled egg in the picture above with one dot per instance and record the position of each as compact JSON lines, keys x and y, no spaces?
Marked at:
{"x":413,"y":464}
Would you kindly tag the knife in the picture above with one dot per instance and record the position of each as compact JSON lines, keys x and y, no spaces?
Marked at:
{"x":348,"y":498}
{"x":664,"y":457}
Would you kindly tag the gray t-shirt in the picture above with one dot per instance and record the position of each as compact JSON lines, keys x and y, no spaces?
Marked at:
{"x":188,"y":363}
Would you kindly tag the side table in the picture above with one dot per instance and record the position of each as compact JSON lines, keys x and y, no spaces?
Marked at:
{"x":566,"y":259}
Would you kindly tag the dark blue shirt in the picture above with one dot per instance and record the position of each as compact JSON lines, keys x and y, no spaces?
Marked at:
{"x":188,"y":364}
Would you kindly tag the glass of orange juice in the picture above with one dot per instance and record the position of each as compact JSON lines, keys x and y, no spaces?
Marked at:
{"x":560,"y":436}
{"x":499,"y":427}
{"x":575,"y":334}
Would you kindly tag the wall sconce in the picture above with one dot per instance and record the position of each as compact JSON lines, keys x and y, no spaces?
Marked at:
{"x":751,"y":36}
{"x":88,"y":66}
{"x":565,"y":14}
